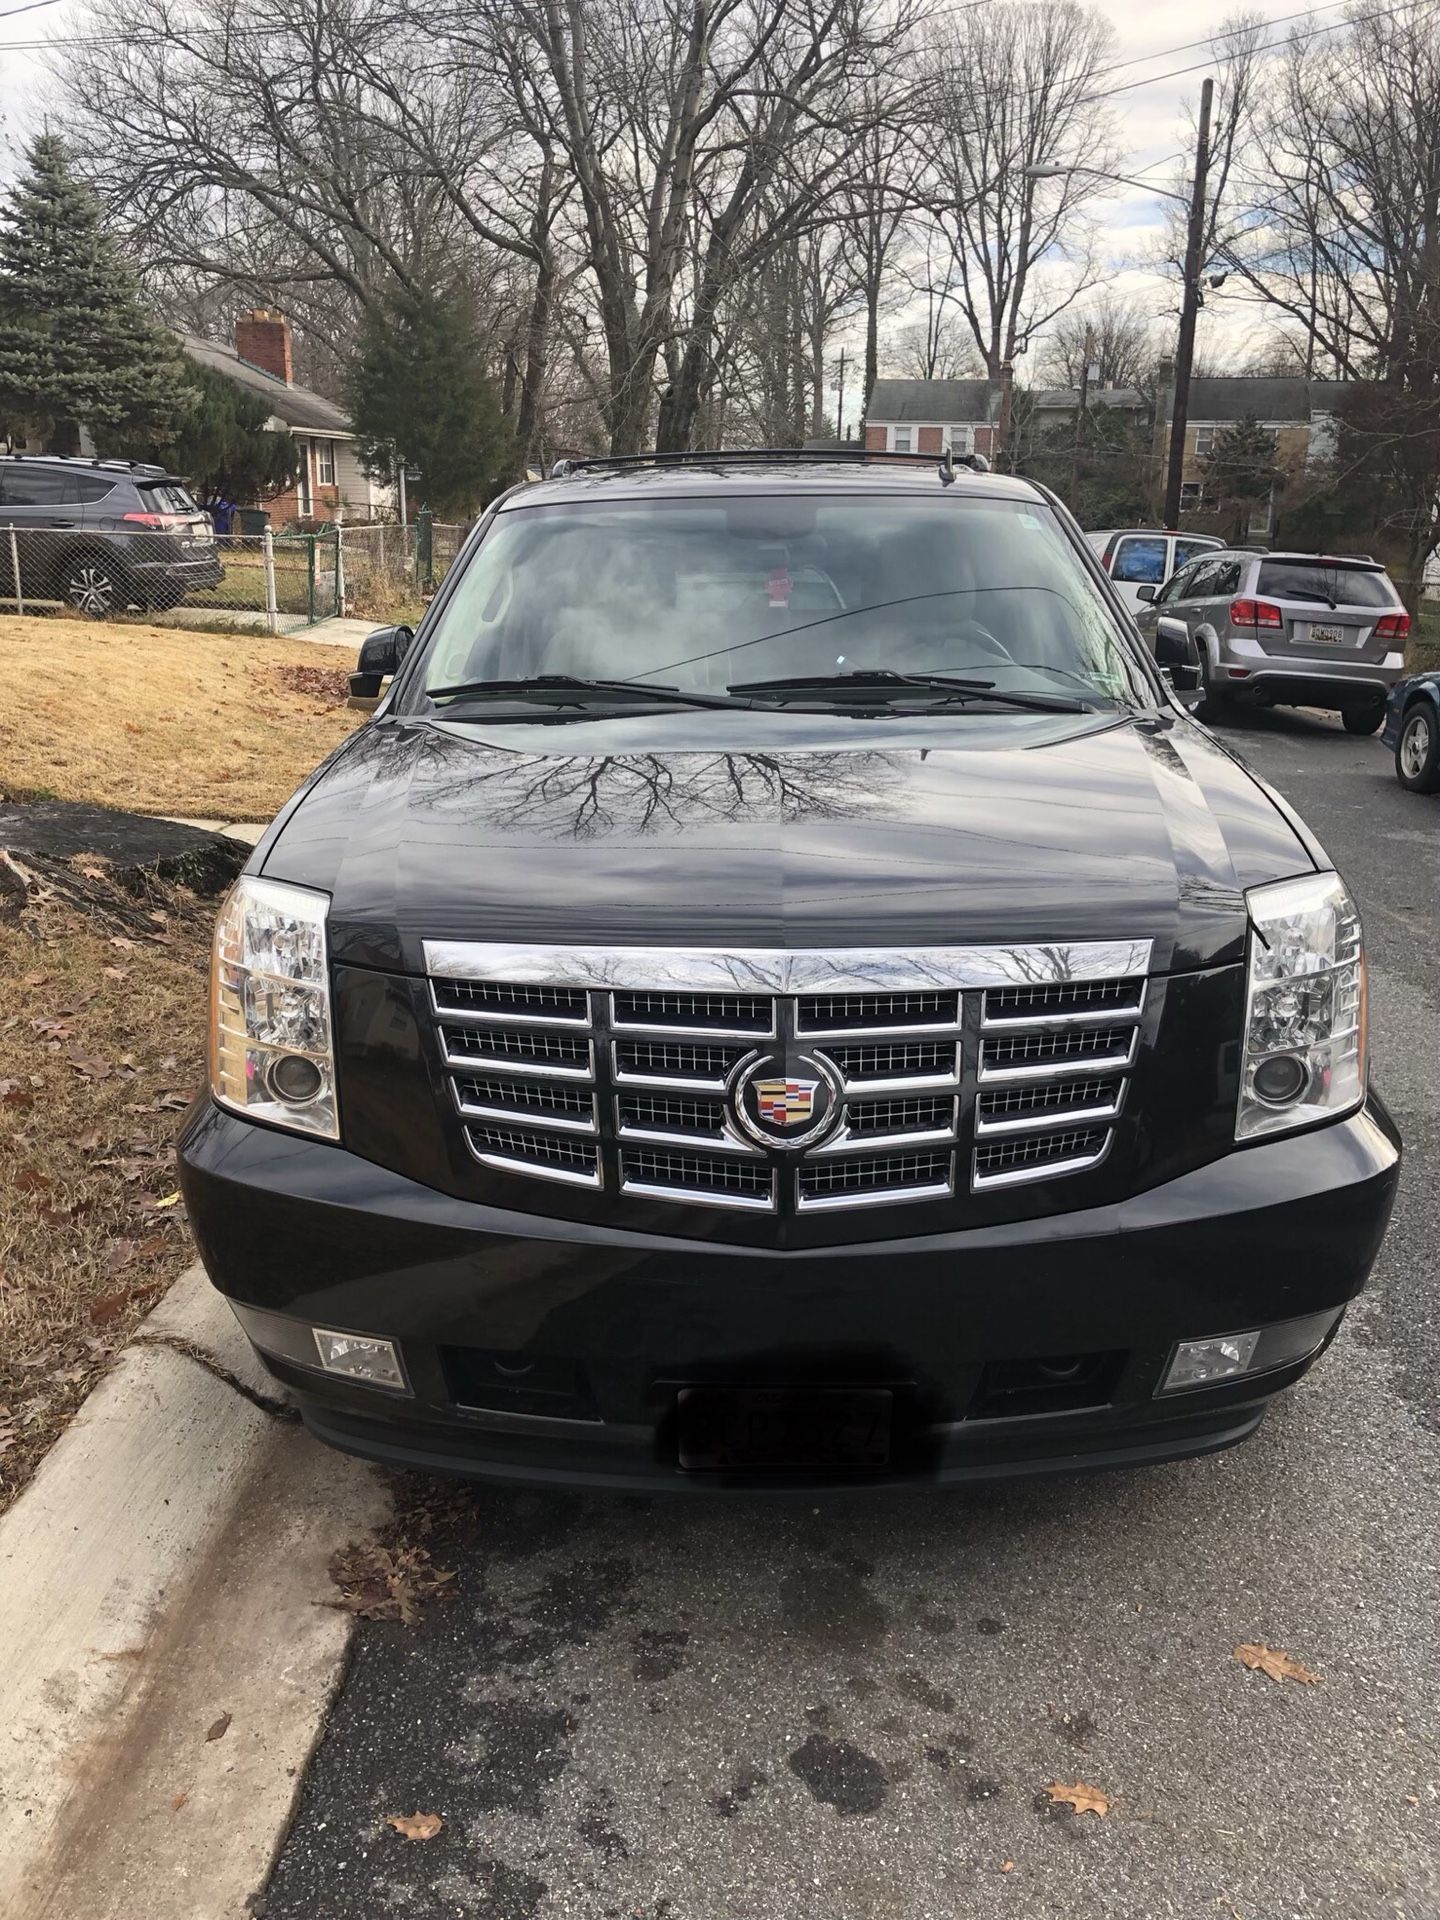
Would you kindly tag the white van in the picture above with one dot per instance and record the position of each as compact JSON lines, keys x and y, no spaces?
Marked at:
{"x":1146,"y":556}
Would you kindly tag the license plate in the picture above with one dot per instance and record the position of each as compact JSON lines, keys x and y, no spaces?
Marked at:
{"x":776,"y":1429}
{"x":1328,"y":636}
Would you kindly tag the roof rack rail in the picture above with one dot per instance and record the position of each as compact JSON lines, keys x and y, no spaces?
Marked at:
{"x":703,"y":457}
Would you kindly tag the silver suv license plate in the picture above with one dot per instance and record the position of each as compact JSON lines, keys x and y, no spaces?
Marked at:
{"x":780,"y":1429}
{"x":1327,"y":636}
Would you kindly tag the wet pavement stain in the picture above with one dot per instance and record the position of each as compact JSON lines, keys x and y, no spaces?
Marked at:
{"x":1076,"y":1728}
{"x":832,"y":1608}
{"x":743,"y":1787}
{"x":842,"y":1775}
{"x":571,"y":1606}
{"x":595,"y":1829}
{"x":917,"y":1688}
{"x":982,"y":1789}
{"x":519,"y":1750}
{"x":659,"y":1652}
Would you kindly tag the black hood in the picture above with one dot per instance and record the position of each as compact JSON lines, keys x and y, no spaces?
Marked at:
{"x":665,"y":829}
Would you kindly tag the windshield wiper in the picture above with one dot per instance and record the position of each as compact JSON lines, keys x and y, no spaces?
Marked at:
{"x":566,"y":687}
{"x":884,"y":681}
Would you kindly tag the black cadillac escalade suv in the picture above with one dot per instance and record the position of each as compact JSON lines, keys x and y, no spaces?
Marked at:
{"x":782,"y":993}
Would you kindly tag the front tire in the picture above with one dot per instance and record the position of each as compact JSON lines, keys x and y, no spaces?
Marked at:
{"x":1362,"y":719}
{"x":1216,"y":702}
{"x":1417,"y":752}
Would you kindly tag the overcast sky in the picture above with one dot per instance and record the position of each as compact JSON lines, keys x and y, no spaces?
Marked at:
{"x":1151,"y":117}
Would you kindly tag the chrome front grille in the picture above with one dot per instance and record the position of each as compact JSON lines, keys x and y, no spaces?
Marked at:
{"x":618,"y":1069}
{"x":1054,"y":1063}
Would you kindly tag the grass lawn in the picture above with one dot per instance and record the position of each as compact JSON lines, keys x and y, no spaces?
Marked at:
{"x":102,"y":1019}
{"x":163,"y":720}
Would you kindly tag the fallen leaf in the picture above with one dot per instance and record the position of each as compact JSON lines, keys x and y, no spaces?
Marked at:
{"x":170,"y":1200}
{"x":118,"y":1254}
{"x":30,"y":1180}
{"x":218,"y":1731}
{"x":119,"y":940}
{"x":416,"y":1826}
{"x":1082,"y":1798}
{"x":116,"y":973}
{"x":36,"y":979}
{"x":14,"y":1096}
{"x":1274,"y":1661}
{"x":109,"y":1307}
{"x":170,"y":1103}
{"x":1007,"y":1866}
{"x":178,"y":1802}
{"x":376,"y":1584}
{"x":92,"y":1067}
{"x":87,"y":1142}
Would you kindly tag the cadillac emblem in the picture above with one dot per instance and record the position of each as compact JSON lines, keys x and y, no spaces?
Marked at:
{"x":782,"y":1108}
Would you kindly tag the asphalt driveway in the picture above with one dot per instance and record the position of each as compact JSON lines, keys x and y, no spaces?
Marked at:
{"x":692,"y":1710}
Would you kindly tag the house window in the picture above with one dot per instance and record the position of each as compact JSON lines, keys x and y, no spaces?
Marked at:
{"x":900,"y":439}
{"x":1204,"y":442}
{"x":962,"y":439}
{"x":324,"y":463}
{"x":1192,"y":496}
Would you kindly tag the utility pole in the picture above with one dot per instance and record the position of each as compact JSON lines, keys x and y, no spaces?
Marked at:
{"x":1007,"y":408}
{"x":1189,"y":308}
{"x":840,"y":409}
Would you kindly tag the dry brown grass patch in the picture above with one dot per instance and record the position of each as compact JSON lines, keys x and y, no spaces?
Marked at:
{"x":101,"y":1045}
{"x":163,"y":720}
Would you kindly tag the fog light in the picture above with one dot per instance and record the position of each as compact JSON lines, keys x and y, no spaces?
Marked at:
{"x":358,"y":1357}
{"x":1200,"y":1363}
{"x":1226,"y":1356}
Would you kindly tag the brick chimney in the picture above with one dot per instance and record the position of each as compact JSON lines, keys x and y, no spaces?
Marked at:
{"x":263,"y":338}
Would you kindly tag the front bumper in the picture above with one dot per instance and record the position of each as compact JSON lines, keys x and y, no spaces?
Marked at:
{"x":612,"y":1324}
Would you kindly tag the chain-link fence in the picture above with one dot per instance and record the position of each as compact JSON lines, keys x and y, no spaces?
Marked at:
{"x":384,"y":572}
{"x":274,"y":578}
{"x":390,"y":570}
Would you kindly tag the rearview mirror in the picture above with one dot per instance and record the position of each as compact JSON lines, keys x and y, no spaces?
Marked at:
{"x":1177,"y":653}
{"x":1144,"y":593}
{"x":381,"y":654}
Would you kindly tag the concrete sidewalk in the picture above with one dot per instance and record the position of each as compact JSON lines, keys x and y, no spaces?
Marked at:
{"x":169,"y":1660}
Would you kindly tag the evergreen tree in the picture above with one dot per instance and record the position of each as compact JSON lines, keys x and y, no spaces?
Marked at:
{"x":77,"y":349}
{"x":1241,"y":471}
{"x":418,"y":392}
{"x":223,"y":445}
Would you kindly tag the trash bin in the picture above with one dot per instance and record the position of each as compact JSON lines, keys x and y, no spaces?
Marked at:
{"x":253,"y":520}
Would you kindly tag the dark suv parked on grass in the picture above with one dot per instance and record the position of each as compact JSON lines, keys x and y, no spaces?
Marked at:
{"x":782,"y":993}
{"x":101,"y":534}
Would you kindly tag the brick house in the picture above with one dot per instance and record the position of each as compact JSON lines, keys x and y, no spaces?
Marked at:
{"x":927,"y":416}
{"x":331,"y":483}
{"x":1299,"y":415}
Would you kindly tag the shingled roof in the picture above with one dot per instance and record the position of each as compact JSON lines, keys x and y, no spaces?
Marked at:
{"x":294,"y":407}
{"x":1265,"y":398}
{"x":933,"y":402}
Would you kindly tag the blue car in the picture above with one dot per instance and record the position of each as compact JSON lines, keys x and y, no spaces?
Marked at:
{"x":1412,"y":728}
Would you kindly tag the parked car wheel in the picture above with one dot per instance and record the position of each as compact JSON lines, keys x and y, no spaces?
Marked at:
{"x":92,"y":585}
{"x":1216,"y":702}
{"x":1363,"y":719}
{"x":1417,"y":752}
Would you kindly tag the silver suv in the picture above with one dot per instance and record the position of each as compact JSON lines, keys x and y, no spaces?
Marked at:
{"x":1288,"y":629}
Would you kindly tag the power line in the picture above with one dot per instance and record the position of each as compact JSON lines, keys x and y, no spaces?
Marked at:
{"x":33,"y":6}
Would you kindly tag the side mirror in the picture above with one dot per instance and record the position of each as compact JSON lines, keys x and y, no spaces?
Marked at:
{"x":1177,"y":653}
{"x":381,"y":653}
{"x":1145,"y":593}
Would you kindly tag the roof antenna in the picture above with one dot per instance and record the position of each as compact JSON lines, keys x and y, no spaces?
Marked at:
{"x":947,"y":470}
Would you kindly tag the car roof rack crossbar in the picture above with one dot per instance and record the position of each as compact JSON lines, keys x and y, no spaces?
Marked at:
{"x":743,"y":456}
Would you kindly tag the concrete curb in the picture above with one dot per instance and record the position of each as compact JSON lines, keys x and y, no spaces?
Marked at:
{"x":161,"y":1571}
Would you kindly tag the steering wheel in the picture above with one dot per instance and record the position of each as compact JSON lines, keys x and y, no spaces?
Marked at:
{"x":981,"y":637}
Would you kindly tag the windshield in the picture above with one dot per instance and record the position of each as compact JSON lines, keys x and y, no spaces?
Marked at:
{"x":702,"y":594}
{"x":1326,"y":581}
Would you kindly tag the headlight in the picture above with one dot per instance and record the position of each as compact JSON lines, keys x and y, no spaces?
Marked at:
{"x":271,"y":1056}
{"x":1304,"y":1055}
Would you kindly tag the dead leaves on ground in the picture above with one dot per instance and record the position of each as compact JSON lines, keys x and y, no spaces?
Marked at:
{"x":415,"y":1826}
{"x":381,"y":1583}
{"x":1275,"y":1662}
{"x":220,"y":1728}
{"x":1080,"y":1798}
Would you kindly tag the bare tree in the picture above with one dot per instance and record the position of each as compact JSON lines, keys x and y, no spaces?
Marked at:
{"x":1115,"y":335}
{"x":939,"y":347}
{"x":1016,"y":90}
